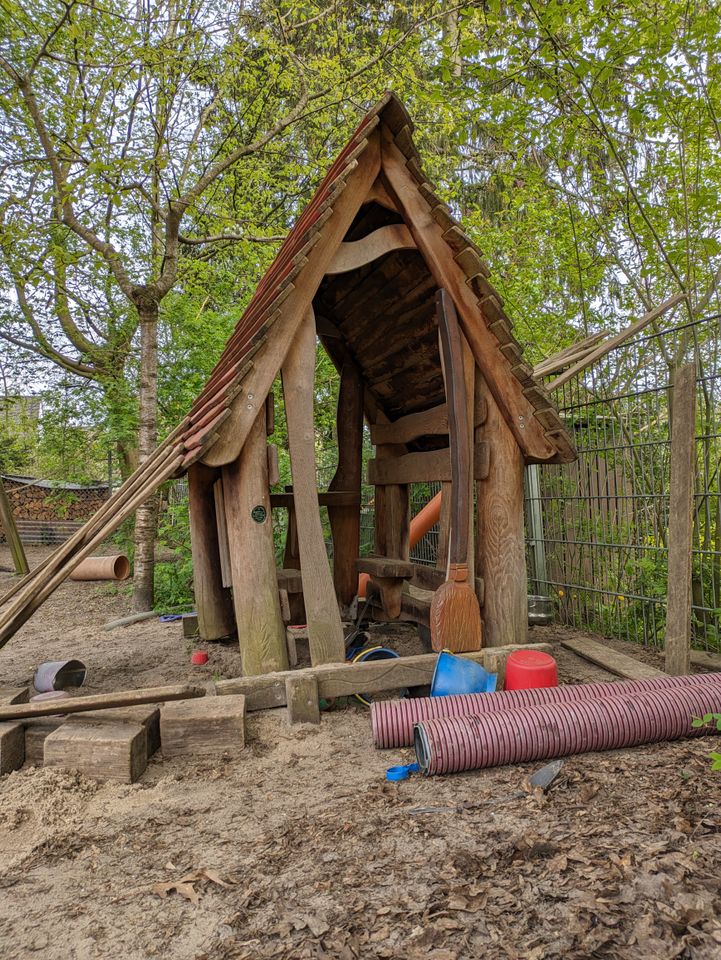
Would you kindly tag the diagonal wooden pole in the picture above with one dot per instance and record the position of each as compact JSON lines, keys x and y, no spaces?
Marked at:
{"x":11,"y":533}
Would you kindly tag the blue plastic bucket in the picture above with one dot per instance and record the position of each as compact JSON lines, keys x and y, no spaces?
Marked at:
{"x":375,"y":653}
{"x":454,"y":675}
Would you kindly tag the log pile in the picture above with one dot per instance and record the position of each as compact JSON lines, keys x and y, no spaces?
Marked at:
{"x":43,"y":501}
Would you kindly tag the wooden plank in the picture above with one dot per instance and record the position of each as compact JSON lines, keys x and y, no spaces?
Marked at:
{"x":501,"y":544}
{"x":557,"y":361}
{"x":345,"y":520}
{"x":201,"y":727}
{"x":425,"y":467}
{"x":290,"y":580}
{"x":268,"y":361}
{"x":385,"y":567}
{"x":213,"y":601}
{"x":273,"y":465}
{"x":325,"y":631}
{"x":429,"y":423}
{"x":614,"y":341}
{"x":346,"y":679}
{"x":261,"y":634}
{"x":100,"y":701}
{"x":270,"y":414}
{"x":612,"y":660}
{"x":7,"y":522}
{"x":334,"y":498}
{"x":108,"y":751}
{"x":680,"y":522}
{"x":223,"y":547}
{"x":357,"y":253}
{"x":301,"y":694}
{"x":504,"y":386}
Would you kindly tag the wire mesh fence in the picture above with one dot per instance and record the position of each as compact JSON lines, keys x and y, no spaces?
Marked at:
{"x":598,"y":528}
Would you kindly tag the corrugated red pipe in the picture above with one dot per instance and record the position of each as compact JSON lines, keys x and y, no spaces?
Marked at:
{"x":393,"y":720}
{"x":547,"y":730}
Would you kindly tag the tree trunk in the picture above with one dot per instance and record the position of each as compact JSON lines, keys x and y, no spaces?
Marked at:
{"x":146,"y":517}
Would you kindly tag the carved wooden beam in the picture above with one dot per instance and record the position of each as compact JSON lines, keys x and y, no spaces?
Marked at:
{"x":350,"y":256}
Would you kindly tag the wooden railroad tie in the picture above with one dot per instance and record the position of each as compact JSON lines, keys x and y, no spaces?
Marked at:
{"x":346,"y":679}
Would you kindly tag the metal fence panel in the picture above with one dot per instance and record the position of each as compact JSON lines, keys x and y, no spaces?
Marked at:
{"x":598,"y":528}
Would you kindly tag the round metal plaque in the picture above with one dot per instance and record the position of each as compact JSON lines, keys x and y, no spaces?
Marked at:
{"x":259,"y":513}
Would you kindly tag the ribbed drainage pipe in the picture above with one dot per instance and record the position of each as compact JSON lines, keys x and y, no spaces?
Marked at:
{"x":392,"y":721}
{"x":548,"y":730}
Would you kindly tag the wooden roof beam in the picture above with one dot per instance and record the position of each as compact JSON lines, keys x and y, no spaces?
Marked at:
{"x":428,"y":235}
{"x":272,"y":354}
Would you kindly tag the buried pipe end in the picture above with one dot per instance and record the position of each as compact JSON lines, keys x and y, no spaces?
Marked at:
{"x":420,"y":743}
{"x":121,"y":567}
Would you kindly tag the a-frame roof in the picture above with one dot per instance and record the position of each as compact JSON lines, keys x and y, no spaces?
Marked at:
{"x":488,"y":328}
{"x":380,"y":159}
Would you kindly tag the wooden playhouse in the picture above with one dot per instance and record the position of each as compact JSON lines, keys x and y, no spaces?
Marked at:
{"x":359,"y":271}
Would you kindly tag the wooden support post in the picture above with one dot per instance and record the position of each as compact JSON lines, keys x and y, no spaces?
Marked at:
{"x":325,"y":631}
{"x":680,"y":523}
{"x":500,"y":545}
{"x":213,"y":601}
{"x":7,"y":522}
{"x":469,"y":376}
{"x":261,"y":633}
{"x":225,"y":574}
{"x":345,"y":521}
{"x":301,"y":694}
{"x":392,"y":526}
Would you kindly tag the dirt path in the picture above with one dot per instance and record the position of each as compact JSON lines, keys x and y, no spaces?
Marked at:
{"x":319,"y":857}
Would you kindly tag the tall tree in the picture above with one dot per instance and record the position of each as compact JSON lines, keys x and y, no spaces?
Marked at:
{"x":127,"y":125}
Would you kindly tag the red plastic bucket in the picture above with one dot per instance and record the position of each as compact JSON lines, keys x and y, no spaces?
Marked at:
{"x":530,"y":669}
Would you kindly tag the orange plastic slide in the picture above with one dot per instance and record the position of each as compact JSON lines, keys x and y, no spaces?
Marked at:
{"x":420,"y":525}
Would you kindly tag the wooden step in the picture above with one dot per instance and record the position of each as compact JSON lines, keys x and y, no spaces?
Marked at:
{"x":147,"y":715}
{"x":12,"y":747}
{"x":107,"y":751}
{"x":210,"y":725}
{"x":385,"y":567}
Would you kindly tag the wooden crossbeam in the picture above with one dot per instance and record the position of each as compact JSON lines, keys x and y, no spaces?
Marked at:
{"x":357,"y":253}
{"x":424,"y":467}
{"x":347,"y":679}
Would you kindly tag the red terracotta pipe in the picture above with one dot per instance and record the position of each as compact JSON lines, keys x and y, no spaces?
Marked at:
{"x":420,"y":525}
{"x":115,"y":567}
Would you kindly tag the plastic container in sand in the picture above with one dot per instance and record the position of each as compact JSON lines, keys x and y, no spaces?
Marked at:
{"x":530,"y":669}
